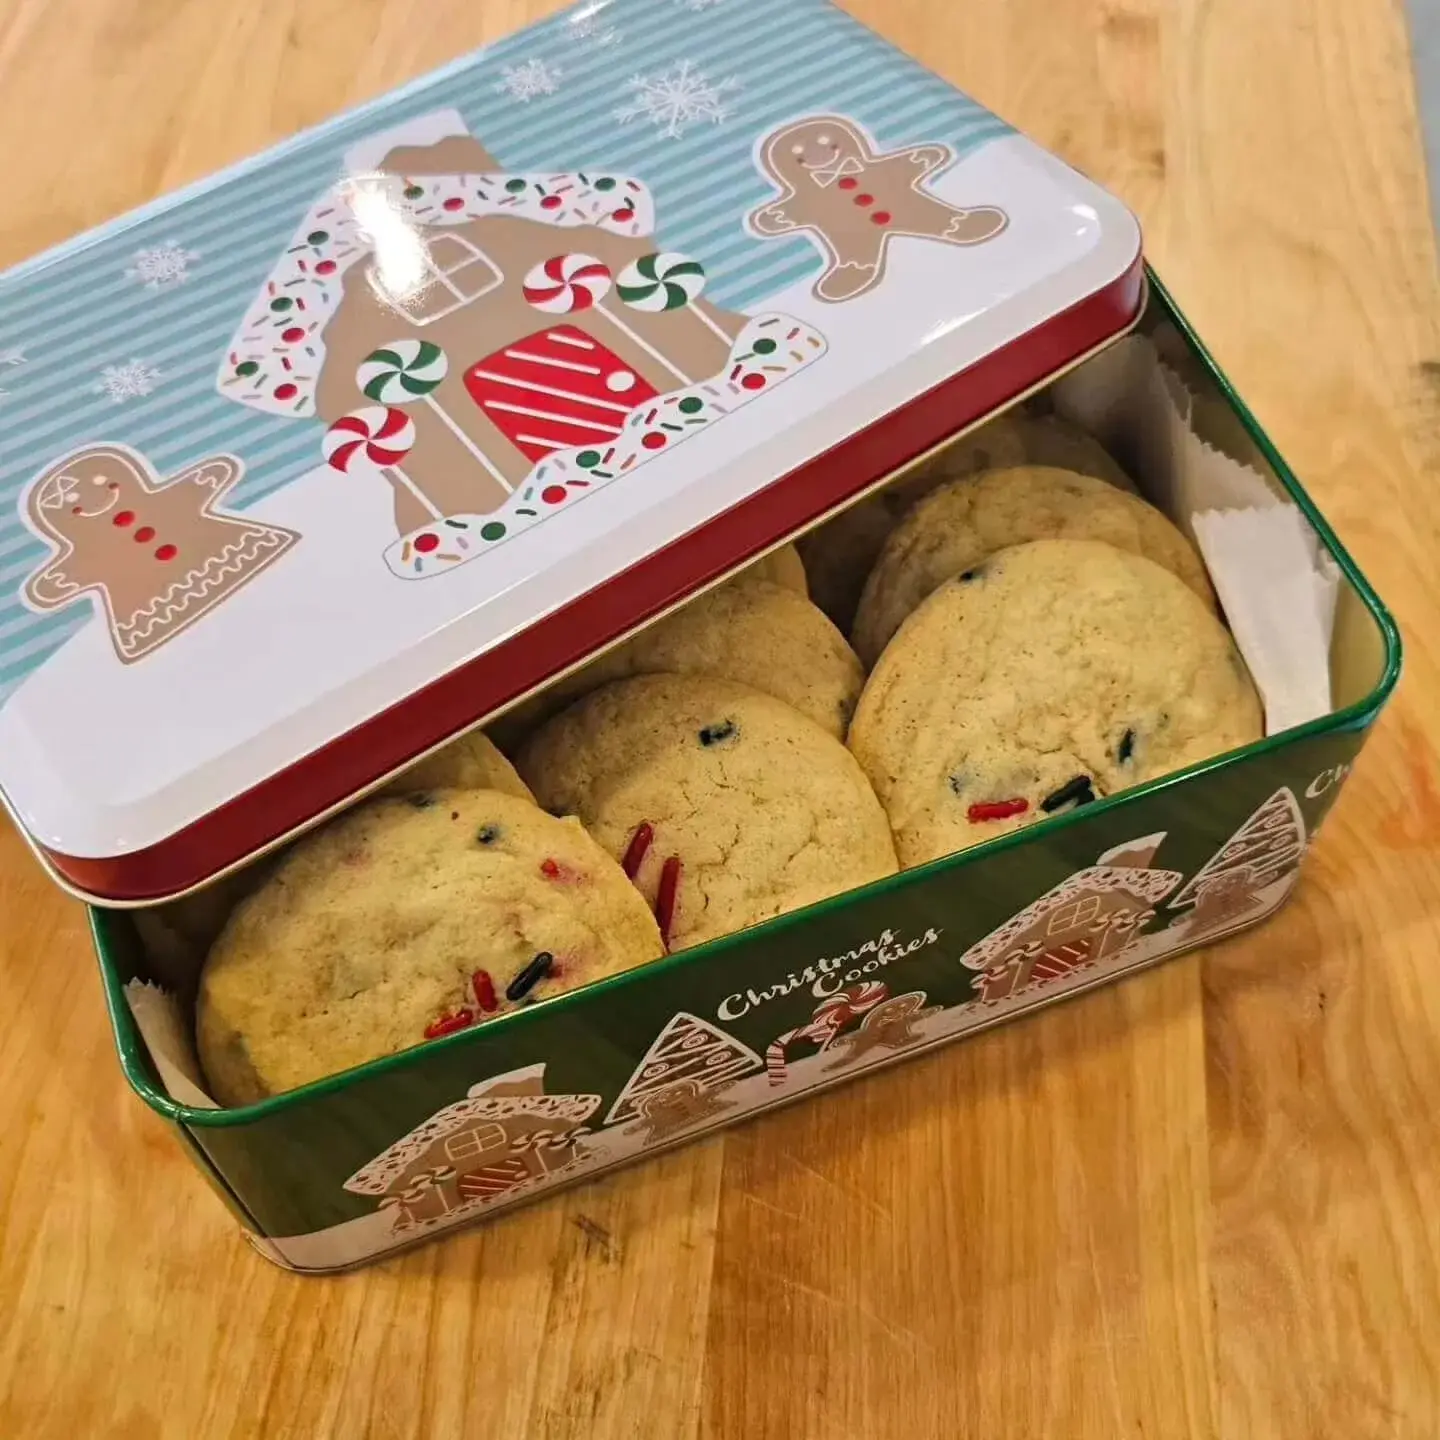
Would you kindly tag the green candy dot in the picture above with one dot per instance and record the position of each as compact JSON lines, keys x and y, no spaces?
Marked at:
{"x":414,"y":192}
{"x":246,"y":368}
{"x":318,"y":237}
{"x":515,"y":186}
{"x":588,"y":459}
{"x":764,"y":347}
{"x":281,"y":303}
{"x":605,"y":182}
{"x":493,"y":531}
{"x":690,"y":404}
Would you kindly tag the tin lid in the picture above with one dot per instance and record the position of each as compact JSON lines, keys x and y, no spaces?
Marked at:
{"x":310,"y":466}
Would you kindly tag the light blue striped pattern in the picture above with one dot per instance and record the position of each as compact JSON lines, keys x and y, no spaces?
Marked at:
{"x":75,"y":311}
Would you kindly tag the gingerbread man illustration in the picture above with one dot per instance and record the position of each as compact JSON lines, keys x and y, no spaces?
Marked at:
{"x":850,"y":200}
{"x":156,"y":555}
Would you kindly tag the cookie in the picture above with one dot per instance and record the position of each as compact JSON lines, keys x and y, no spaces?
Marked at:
{"x":473,"y":762}
{"x":1060,"y":672}
{"x":956,"y":527}
{"x":1053,"y":441}
{"x":781,"y":567}
{"x":850,"y":199}
{"x":840,"y":553}
{"x":405,"y":920}
{"x":746,"y":630}
{"x":726,"y":806}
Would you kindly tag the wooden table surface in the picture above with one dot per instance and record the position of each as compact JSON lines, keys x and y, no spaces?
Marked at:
{"x":1205,"y":1202}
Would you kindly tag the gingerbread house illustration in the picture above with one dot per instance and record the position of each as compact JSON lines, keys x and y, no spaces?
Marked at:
{"x":494,"y":345}
{"x":505,"y":1137}
{"x":1084,"y":921}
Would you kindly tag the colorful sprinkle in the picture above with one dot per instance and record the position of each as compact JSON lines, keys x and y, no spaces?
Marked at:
{"x":484,"y":988}
{"x":996,"y":810}
{"x":529,"y":977}
{"x":550,"y":869}
{"x":1077,"y":790}
{"x":665,"y":897}
{"x":462,"y":1019}
{"x":487,"y":834}
{"x":635,"y":852}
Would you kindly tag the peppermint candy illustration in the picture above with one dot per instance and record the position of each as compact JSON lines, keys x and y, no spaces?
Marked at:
{"x":377,"y":436}
{"x":408,"y":370}
{"x":666,"y":280}
{"x":403,"y":371}
{"x":566,"y":283}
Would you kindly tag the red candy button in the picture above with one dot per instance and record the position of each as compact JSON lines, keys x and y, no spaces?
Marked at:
{"x":553,"y":494}
{"x":427,"y":542}
{"x":145,"y":534}
{"x":287,"y":391}
{"x":124,"y":518}
{"x":864,"y":199}
{"x":849,"y":182}
{"x":881,"y":217}
{"x":654,"y":441}
{"x":454,"y":203}
{"x":754,"y":382}
{"x":166,"y":552}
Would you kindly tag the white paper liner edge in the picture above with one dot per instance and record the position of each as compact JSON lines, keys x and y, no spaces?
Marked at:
{"x":1278,"y":586}
{"x":167,"y":1038}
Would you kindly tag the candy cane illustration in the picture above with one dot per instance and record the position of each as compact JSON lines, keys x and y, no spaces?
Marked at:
{"x":375,"y":439}
{"x":832,"y":1015}
{"x":565,"y":284}
{"x":666,"y":280}
{"x":408,"y":370}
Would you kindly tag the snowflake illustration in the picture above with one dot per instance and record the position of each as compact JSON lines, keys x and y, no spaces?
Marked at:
{"x":129,"y":381}
{"x":679,"y":97}
{"x":593,"y":27}
{"x":11,"y":359}
{"x":525,"y":82}
{"x":161,"y":266}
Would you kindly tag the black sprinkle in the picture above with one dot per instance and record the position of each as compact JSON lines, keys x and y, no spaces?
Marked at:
{"x":1077,"y":790}
{"x":1126,"y":747}
{"x":968,"y":575}
{"x":529,"y":977}
{"x":957,"y":784}
{"x":422,"y":801}
{"x":488,"y":834}
{"x":454,"y":814}
{"x":714,"y":734}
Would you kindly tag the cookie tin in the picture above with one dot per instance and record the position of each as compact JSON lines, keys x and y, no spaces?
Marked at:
{"x":466,"y":1127}
{"x":311,"y":466}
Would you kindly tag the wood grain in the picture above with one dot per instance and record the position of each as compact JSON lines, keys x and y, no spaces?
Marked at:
{"x":1199,"y":1204}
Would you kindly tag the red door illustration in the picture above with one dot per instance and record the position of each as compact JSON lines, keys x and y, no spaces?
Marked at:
{"x":554,"y":389}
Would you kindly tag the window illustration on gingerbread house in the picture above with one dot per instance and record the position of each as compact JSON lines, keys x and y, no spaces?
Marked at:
{"x":494,"y":346}
{"x":506,"y":1137}
{"x":1083,"y":922}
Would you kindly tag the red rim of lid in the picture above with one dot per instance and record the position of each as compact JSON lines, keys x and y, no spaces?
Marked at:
{"x":288,"y":801}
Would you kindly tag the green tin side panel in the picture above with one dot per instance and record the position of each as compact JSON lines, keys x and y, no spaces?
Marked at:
{"x":290,"y":1162}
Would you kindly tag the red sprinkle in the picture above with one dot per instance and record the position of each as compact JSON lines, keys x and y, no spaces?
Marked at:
{"x":484,"y":988}
{"x":640,"y":843}
{"x":549,"y":869}
{"x":449,"y":1024}
{"x":665,"y":897}
{"x":996,"y":810}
